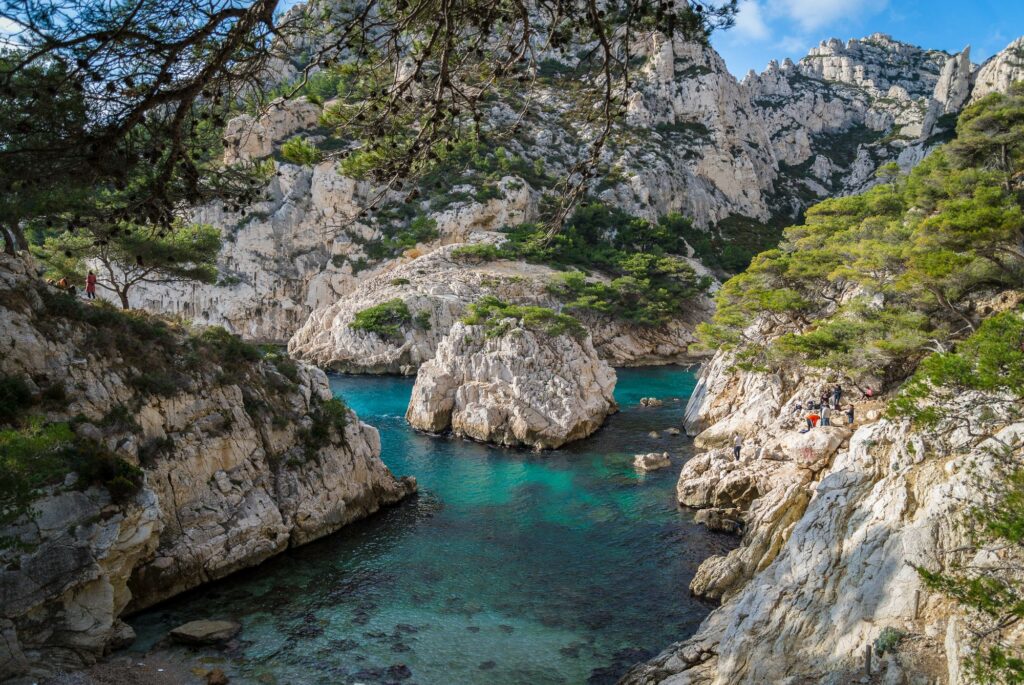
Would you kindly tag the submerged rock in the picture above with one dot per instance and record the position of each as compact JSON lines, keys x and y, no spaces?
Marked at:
{"x":652,"y":461}
{"x":523,"y":387}
{"x":205,"y":632}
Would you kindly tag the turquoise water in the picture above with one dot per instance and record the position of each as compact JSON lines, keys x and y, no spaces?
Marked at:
{"x":509,"y":567}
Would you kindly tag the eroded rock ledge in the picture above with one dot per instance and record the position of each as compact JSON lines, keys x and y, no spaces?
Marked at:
{"x":439,"y":287}
{"x":523,"y":387}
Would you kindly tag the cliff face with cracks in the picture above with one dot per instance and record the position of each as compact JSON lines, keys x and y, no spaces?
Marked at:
{"x":832,"y":518}
{"x":522,"y":387}
{"x":695,"y":140}
{"x":239,"y":461}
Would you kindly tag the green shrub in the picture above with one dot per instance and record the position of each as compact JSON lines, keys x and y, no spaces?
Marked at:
{"x":651,"y":282}
{"x":288,"y":368}
{"x":328,"y":418}
{"x":120,"y":418}
{"x":156,"y":383}
{"x":422,"y":320}
{"x":298,"y":150}
{"x":95,"y":465}
{"x":228,"y":348}
{"x":478,"y":252}
{"x":489,"y":191}
{"x":888,"y":640}
{"x":30,"y":458}
{"x":493,"y":315}
{"x":42,"y":454}
{"x":385,"y":319}
{"x":397,"y":239}
{"x":399,"y":281}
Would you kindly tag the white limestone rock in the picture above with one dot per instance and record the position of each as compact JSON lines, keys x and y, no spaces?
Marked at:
{"x":651,"y":461}
{"x":439,"y":286}
{"x":521,"y":388}
{"x":247,"y":138}
{"x":832,"y":522}
{"x":998,"y":73}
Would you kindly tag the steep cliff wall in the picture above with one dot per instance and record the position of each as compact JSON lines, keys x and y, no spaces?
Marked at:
{"x":159,"y":460}
{"x":833,"y":520}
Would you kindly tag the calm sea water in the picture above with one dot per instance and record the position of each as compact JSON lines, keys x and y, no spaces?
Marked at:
{"x":509,"y":567}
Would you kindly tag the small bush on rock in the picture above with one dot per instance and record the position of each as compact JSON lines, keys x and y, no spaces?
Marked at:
{"x":385,"y":319}
{"x":494,"y":316}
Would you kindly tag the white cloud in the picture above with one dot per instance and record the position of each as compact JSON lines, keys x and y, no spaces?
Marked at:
{"x":815,"y":14}
{"x":794,"y":45}
{"x":750,"y":22}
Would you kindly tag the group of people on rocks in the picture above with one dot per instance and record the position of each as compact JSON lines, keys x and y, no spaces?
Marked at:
{"x":819,"y":412}
{"x":68,"y":286}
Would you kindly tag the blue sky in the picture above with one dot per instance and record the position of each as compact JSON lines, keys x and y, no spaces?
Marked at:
{"x":774,"y":29}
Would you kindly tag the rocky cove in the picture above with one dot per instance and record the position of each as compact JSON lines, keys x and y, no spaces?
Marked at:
{"x":491,"y":573}
{"x":551,"y":499}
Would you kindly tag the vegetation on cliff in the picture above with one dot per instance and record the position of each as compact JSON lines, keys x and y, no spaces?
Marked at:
{"x":42,"y":442}
{"x":985,"y":576}
{"x":647,"y":281}
{"x":496,"y":316}
{"x":915,"y":284}
{"x":871,"y":283}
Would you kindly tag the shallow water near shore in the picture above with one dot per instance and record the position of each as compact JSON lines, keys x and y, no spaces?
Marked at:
{"x":509,"y":567}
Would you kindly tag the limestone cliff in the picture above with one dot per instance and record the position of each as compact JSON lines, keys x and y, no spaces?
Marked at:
{"x":694,"y":141}
{"x":176,"y":459}
{"x":520,"y":387}
{"x":1002,"y":70}
{"x":833,"y":519}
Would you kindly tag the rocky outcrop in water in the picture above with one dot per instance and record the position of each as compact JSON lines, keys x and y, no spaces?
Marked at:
{"x":225,"y":461}
{"x":832,"y":520}
{"x":523,"y":387}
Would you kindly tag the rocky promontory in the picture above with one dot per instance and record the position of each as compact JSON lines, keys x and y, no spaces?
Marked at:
{"x":515,"y":385}
{"x":142,"y":459}
{"x":438,"y":287}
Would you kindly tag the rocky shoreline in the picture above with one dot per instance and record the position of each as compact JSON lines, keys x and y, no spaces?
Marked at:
{"x":831,"y":521}
{"x":224,"y":462}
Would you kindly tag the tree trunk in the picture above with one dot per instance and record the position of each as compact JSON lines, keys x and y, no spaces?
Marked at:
{"x":19,"y":237}
{"x":123,"y":294}
{"x":8,"y":241}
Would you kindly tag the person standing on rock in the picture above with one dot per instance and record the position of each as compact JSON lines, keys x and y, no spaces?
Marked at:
{"x":837,"y":395}
{"x":826,"y":415}
{"x":90,"y":286}
{"x":737,"y":445}
{"x":849,"y":415}
{"x":812,"y":420}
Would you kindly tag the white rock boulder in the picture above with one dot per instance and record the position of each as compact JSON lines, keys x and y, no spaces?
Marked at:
{"x":652,"y":461}
{"x":524,"y":387}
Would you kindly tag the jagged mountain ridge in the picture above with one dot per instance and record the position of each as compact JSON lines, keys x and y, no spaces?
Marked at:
{"x":696,"y":141}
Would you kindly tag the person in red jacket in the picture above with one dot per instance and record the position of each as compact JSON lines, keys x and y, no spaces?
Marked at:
{"x":90,"y":286}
